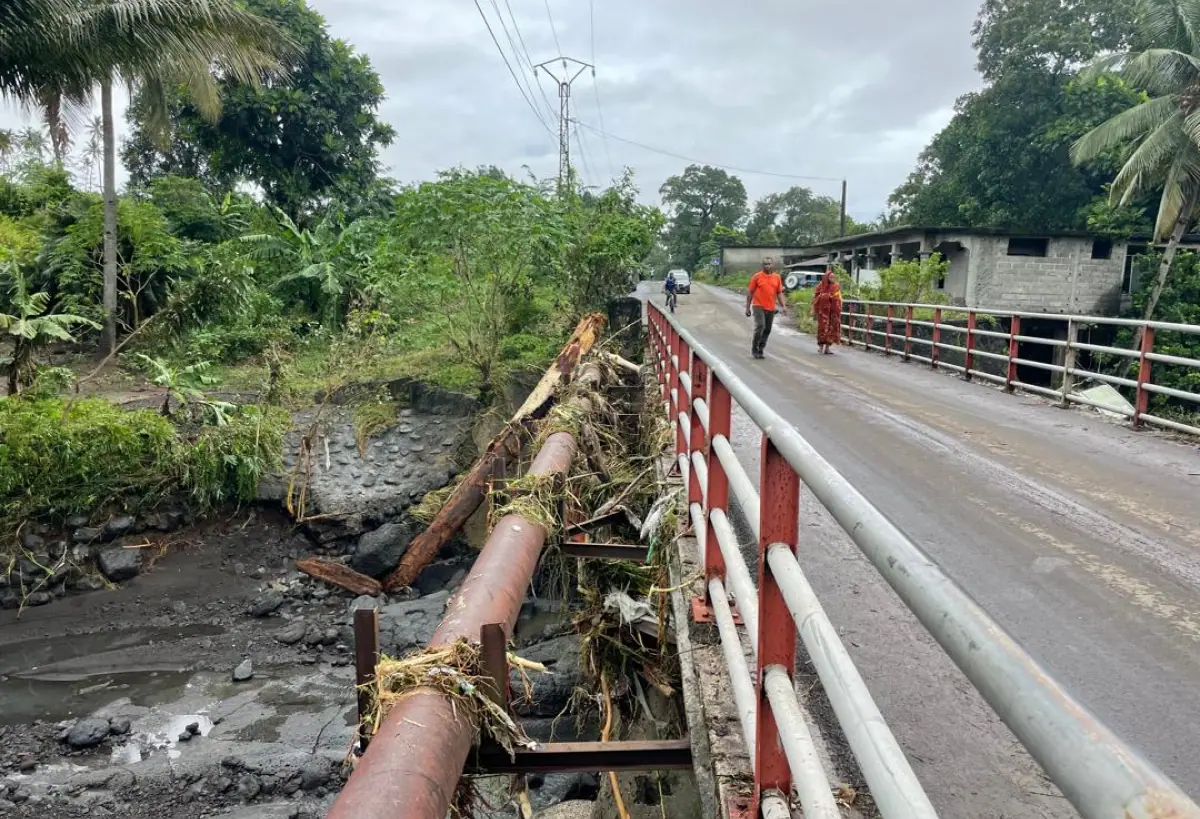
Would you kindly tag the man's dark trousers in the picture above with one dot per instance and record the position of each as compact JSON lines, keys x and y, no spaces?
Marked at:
{"x":763,"y":321}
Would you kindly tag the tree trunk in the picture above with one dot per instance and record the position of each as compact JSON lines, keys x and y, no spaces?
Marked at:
{"x":1164,"y":266}
{"x":110,"y":219}
{"x":472,"y":490}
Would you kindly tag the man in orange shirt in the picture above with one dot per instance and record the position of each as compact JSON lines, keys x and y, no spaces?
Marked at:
{"x":764,"y":294}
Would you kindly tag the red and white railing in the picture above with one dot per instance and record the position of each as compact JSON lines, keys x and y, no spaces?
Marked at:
{"x":889,"y":328}
{"x":1101,"y":776}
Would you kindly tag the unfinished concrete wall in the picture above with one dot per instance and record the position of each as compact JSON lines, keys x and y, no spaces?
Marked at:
{"x":1066,"y":280}
{"x":749,"y":259}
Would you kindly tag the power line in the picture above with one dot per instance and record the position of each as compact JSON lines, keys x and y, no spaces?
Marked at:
{"x":587,"y":168}
{"x":528,"y":57}
{"x":553,"y":29}
{"x":674,"y":155}
{"x":525,"y":72}
{"x":512,"y":73}
{"x":596,"y":87}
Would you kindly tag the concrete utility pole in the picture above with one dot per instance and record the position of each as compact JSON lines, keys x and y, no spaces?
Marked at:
{"x":843,"y":230}
{"x":564,"y":105}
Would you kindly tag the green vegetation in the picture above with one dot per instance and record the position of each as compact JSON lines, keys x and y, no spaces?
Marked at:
{"x":59,"y":459}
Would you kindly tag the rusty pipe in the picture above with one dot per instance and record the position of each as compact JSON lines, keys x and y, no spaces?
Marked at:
{"x":412,"y":766}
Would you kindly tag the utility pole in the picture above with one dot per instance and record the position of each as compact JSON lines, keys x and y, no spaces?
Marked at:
{"x":564,"y":78}
{"x":843,"y":233}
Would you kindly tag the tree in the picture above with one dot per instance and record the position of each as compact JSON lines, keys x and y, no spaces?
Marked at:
{"x":304,"y":141}
{"x":71,"y":47}
{"x":469,"y":249}
{"x":1004,"y":160}
{"x":29,"y":327}
{"x":613,"y":237}
{"x":1163,"y":128}
{"x":1048,"y":36}
{"x":796,"y":218}
{"x":698,"y":200}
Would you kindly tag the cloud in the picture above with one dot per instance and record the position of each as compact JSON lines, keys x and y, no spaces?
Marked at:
{"x":803,"y":87}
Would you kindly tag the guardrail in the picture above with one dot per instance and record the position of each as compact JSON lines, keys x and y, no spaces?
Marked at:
{"x":1100,"y":775}
{"x":862,"y":321}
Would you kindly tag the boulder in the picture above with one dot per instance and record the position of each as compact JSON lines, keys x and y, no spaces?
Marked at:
{"x":411,"y":623}
{"x":88,"y":732}
{"x":266,"y":603}
{"x":120,"y":525}
{"x":551,"y":692}
{"x":118,"y":564}
{"x":244,"y":671}
{"x":379,"y":552}
{"x":291,"y":634}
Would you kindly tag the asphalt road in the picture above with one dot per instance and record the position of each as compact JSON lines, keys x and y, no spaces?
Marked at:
{"x":1079,"y":536}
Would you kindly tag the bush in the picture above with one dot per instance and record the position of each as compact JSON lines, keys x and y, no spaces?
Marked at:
{"x":101,"y":454}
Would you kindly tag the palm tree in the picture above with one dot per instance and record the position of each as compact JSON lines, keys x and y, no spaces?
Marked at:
{"x":29,"y":327}
{"x":63,"y":49}
{"x":1162,"y":133}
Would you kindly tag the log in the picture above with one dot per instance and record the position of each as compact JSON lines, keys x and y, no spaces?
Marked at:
{"x":340,"y":575}
{"x":472,"y":490}
{"x":623,"y":363}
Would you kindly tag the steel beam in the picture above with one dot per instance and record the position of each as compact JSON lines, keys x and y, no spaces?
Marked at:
{"x":570,"y":757}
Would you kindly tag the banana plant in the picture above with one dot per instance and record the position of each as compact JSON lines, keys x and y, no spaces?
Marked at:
{"x":29,"y":326}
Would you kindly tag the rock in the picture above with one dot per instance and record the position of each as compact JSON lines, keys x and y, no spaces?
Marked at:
{"x":330,"y":636}
{"x":119,"y":727}
{"x":244,"y":671}
{"x":411,"y":623}
{"x":291,"y":634}
{"x":6,"y":806}
{"x":27,"y":764}
{"x":363,"y":601}
{"x":315,"y":774}
{"x":437,"y":576}
{"x":21,"y":795}
{"x":87,"y":732}
{"x":87,"y":534}
{"x":185,"y":737}
{"x":119,"y":564}
{"x":120,"y":525}
{"x":121,"y":779}
{"x":550,"y":692}
{"x":380,"y":551}
{"x":10,"y":600}
{"x":266,"y":603}
{"x":89,"y":582}
{"x":75,"y":521}
{"x":313,"y":636}
{"x":249,"y":786}
{"x":38,"y":599}
{"x":193,"y":728}
{"x":31,"y":541}
{"x":575,"y":809}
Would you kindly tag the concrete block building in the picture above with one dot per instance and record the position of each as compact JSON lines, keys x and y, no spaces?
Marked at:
{"x":736,"y":260}
{"x":1063,"y":272}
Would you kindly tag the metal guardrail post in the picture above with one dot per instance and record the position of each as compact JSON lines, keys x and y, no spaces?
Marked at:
{"x":935,"y":352}
{"x":849,"y":324}
{"x":908,"y":319}
{"x":366,"y":660}
{"x":870,"y":325}
{"x":887,"y":338}
{"x":720,"y":422}
{"x":697,"y":441}
{"x":1014,"y":352}
{"x":1142,"y":403}
{"x":1069,"y":356}
{"x":683,"y":399}
{"x":969,"y":355}
{"x":779,"y":523}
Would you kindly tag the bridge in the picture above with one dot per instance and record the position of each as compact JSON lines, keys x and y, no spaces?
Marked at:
{"x":992,"y":597}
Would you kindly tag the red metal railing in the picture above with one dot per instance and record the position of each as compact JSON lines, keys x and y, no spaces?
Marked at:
{"x":1098,"y":773}
{"x":861,"y":322}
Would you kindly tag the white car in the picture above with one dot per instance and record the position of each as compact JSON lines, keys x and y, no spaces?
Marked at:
{"x":683,"y":282}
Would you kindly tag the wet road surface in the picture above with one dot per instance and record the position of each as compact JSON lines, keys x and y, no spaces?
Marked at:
{"x":1079,"y":536}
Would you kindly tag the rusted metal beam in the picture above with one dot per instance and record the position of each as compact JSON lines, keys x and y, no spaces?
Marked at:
{"x":606,"y":551}
{"x":608,"y":519}
{"x":366,"y":660}
{"x":412,"y":767}
{"x":570,"y":757}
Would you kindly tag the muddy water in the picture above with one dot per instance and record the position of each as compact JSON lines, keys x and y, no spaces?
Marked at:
{"x":53,"y":679}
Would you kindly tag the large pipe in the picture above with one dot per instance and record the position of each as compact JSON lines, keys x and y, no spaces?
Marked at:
{"x":412,"y":766}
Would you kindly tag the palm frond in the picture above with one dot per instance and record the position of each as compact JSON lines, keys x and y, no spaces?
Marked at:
{"x":1151,"y":159}
{"x":1135,"y":123}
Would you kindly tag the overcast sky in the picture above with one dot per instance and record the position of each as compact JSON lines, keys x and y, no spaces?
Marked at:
{"x":849,"y":89}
